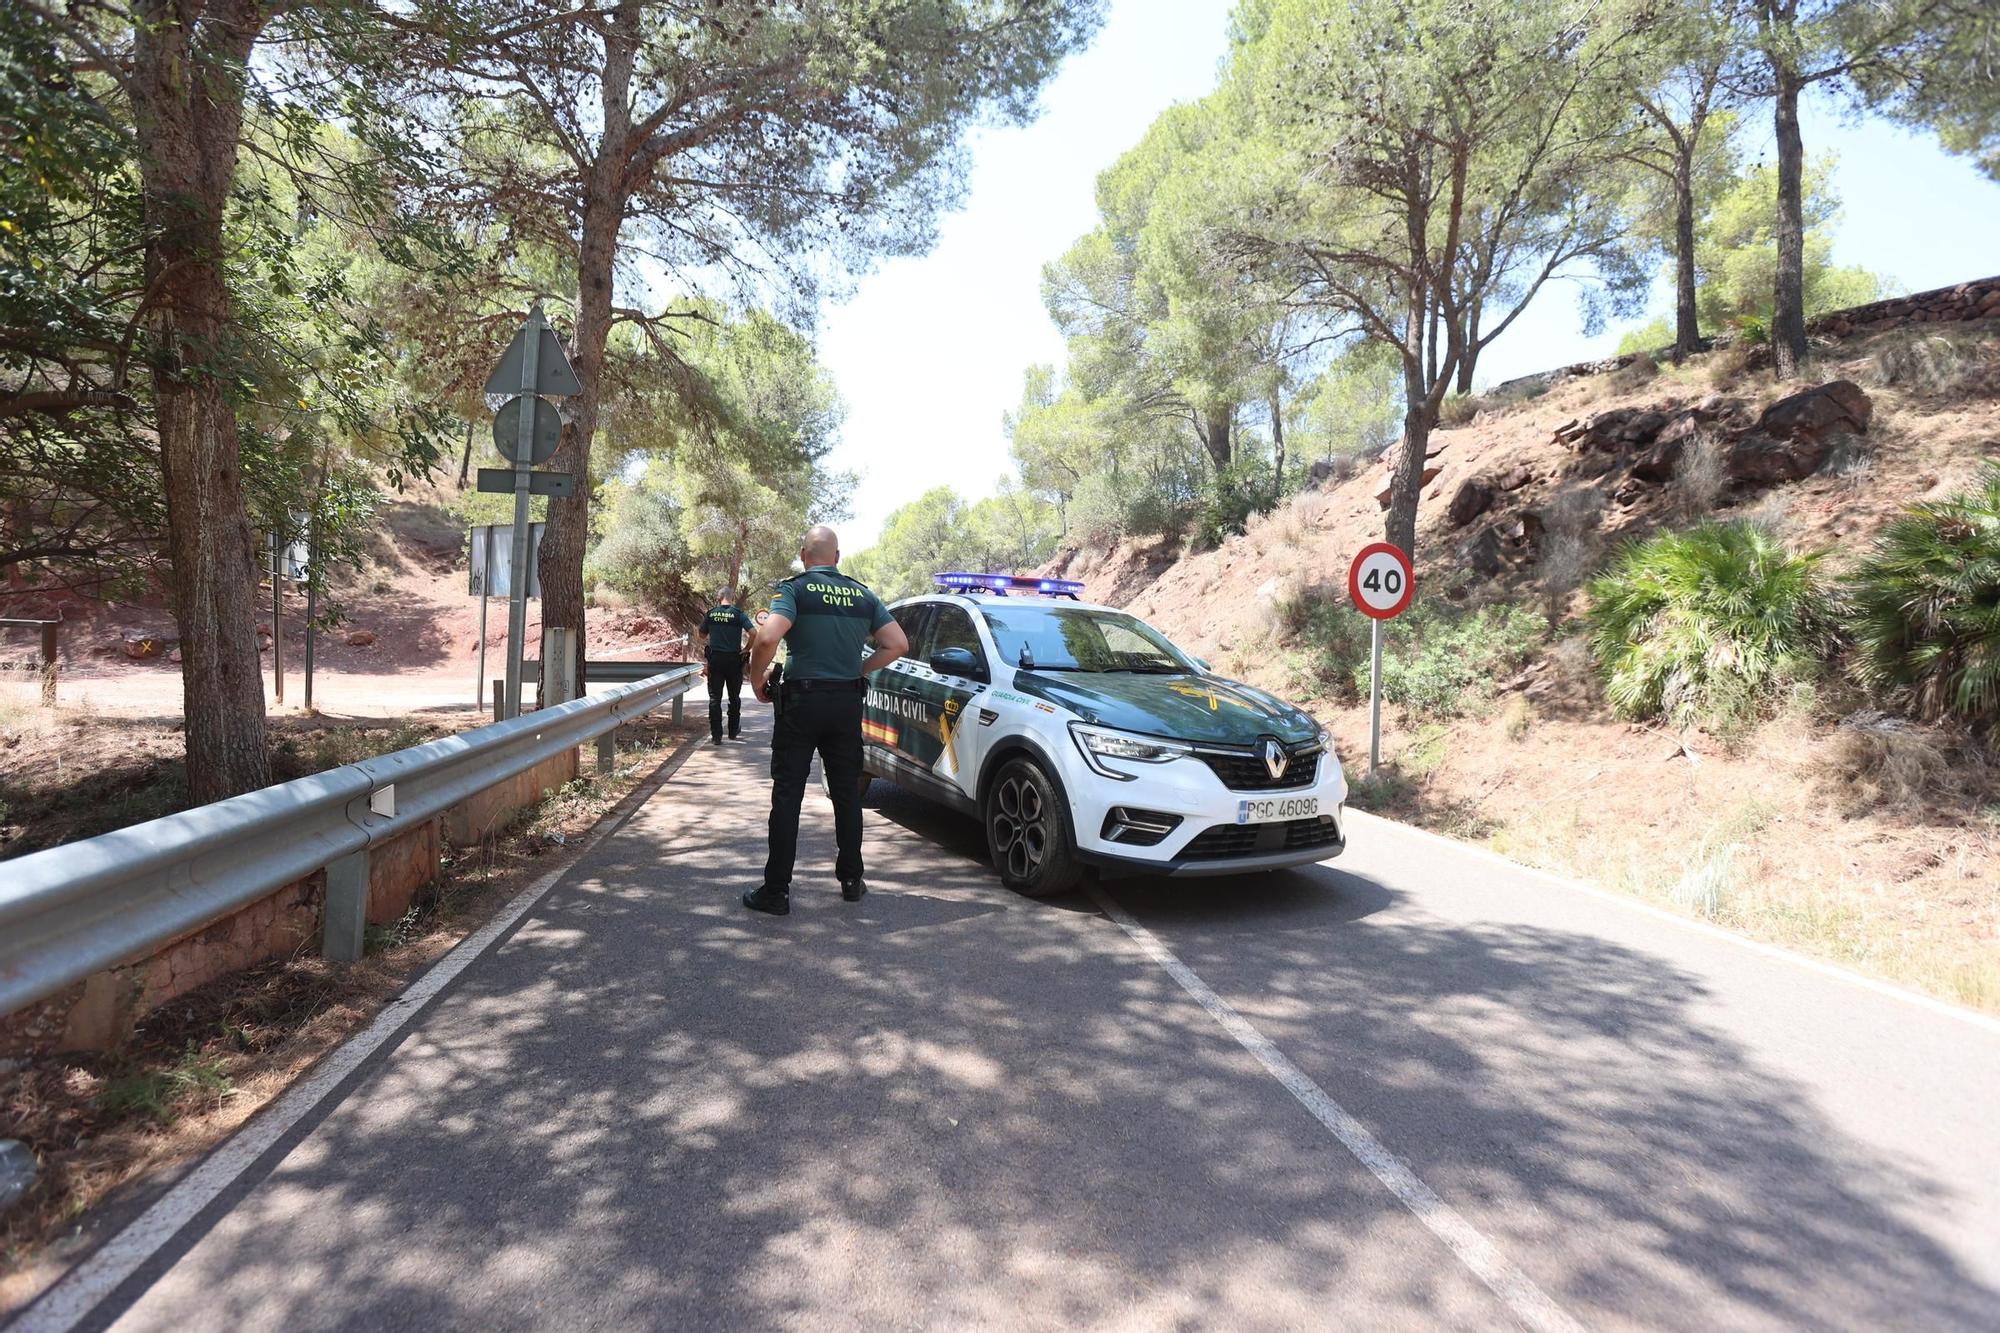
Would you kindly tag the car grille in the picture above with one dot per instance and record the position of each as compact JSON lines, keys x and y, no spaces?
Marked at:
{"x":1288,"y":835}
{"x":1243,"y":770}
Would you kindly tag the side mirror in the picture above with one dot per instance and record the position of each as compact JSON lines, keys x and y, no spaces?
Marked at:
{"x":1205,"y":668}
{"x":956,"y":662}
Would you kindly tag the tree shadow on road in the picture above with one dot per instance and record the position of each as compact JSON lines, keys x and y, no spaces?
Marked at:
{"x":948,"y":1106}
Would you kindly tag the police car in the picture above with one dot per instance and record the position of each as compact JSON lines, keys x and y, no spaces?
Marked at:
{"x":1080,"y":736}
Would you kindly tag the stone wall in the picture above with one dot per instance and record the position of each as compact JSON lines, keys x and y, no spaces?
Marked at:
{"x":1979,"y":299}
{"x":100,"y":1011}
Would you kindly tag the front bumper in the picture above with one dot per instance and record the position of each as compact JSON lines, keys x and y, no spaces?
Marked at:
{"x":1206,"y":840}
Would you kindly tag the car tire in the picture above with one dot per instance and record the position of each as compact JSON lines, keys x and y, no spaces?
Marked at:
{"x":1028,"y":832}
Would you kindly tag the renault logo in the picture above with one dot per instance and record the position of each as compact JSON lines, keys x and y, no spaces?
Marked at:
{"x":1274,"y":759}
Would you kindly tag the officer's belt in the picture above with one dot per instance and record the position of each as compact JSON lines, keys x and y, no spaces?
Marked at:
{"x":857,"y":685}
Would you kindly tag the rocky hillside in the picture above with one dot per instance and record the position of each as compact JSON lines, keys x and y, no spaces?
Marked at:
{"x":1807,"y":829}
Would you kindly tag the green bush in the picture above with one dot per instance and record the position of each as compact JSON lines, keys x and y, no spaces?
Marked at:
{"x":1924,"y":606}
{"x":1229,"y":499}
{"x":1703,"y":626}
{"x":1332,"y":661}
{"x":1440,"y":660}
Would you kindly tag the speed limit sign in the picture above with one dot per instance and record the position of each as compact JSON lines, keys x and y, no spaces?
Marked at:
{"x":1380,"y":581}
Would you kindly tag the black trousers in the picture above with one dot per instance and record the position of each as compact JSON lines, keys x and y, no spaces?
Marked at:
{"x":725,"y":671}
{"x":827,"y":720}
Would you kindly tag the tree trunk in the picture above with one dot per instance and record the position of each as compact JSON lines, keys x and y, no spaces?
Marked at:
{"x":568,"y":532}
{"x":1406,"y":484}
{"x":188,"y":106}
{"x":1788,"y":308}
{"x":1214,"y":431}
{"x":465,"y":459}
{"x":1687,"y":324}
{"x":1278,"y":448}
{"x":1468,"y":357}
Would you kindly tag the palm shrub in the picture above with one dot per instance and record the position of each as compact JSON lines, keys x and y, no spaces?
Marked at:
{"x":1924,"y":606}
{"x":1701,"y":626}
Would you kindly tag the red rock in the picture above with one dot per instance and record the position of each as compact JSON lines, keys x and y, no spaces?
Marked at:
{"x":1821,"y":412}
{"x":1763,"y":460}
{"x":1474,"y":497}
{"x":360,"y":638}
{"x":1430,"y":474}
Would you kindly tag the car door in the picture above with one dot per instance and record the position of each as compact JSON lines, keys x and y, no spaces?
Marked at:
{"x":948,"y":699}
{"x":892,"y":716}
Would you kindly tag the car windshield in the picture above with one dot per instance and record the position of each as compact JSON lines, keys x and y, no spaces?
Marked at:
{"x":1060,"y":638}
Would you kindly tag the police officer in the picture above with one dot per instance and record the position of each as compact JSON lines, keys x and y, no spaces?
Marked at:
{"x":825,"y":621}
{"x":722,"y":631}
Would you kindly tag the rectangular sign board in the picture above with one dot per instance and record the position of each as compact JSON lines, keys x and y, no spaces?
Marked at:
{"x":562,"y":485}
{"x":290,"y":563}
{"x":492,"y":555}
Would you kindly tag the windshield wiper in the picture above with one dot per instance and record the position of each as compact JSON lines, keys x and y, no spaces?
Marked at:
{"x":1152,"y":669}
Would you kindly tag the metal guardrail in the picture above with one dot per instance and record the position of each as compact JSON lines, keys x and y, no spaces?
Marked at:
{"x":71,"y":911}
{"x":608,"y":673}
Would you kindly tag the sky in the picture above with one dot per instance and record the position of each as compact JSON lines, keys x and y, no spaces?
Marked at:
{"x":929,"y":352}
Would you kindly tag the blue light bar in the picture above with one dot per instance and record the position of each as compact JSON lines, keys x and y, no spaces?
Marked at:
{"x":1002,"y":584}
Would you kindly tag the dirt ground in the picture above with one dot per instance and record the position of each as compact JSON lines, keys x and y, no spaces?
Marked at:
{"x":415,"y":626}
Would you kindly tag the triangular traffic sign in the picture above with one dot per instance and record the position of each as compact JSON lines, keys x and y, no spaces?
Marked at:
{"x":553,"y":375}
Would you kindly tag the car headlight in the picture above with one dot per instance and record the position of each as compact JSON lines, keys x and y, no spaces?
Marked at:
{"x":1100,"y":743}
{"x":1325,"y":741}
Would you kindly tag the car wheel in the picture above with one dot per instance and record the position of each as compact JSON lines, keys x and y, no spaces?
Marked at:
{"x":1027,"y":831}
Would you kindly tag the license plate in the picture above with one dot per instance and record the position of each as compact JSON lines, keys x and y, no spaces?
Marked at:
{"x":1269,"y":808}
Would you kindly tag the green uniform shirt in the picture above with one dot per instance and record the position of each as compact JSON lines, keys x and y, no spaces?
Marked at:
{"x":832,"y":616}
{"x":725,"y":626}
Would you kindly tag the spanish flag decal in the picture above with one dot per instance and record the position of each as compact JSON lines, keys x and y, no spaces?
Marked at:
{"x":879,"y":732}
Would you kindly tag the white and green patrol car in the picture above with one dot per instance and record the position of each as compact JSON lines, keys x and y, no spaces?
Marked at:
{"x":1079,"y":736}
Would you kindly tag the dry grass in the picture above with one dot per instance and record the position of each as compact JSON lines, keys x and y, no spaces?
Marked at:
{"x":1568,"y":551}
{"x":1283,"y":528}
{"x":1936,"y":363}
{"x":1701,"y":476}
{"x":1874,"y":761}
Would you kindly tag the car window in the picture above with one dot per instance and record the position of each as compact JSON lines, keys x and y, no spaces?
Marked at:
{"x":915,"y":618}
{"x":953,"y":628}
{"x":1052,"y":638}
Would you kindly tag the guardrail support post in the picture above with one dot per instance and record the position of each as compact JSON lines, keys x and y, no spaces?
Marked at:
{"x":677,"y":710}
{"x":607,"y":752}
{"x":499,"y":699}
{"x":346,"y":912}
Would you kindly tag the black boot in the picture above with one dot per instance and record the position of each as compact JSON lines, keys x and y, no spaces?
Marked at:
{"x":764,"y":898}
{"x":853,"y":889}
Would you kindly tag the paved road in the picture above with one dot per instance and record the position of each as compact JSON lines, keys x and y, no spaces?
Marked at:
{"x":1412,"y":1088}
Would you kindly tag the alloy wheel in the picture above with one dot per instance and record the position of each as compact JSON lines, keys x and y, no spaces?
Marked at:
{"x":1020,"y":827}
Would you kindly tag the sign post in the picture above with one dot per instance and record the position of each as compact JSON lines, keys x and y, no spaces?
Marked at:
{"x":1380,"y":582}
{"x":526,"y":430}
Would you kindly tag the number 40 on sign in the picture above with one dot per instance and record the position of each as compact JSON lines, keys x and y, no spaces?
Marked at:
{"x":1381,"y":583}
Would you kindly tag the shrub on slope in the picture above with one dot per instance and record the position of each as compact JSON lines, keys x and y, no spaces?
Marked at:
{"x":1700,"y":626}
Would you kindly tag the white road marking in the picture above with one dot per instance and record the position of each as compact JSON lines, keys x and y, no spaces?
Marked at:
{"x":84,"y":1287}
{"x":1528,"y":1301}
{"x":1985,"y":1022}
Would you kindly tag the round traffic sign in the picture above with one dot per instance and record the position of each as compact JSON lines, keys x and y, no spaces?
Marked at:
{"x":507,"y":430}
{"x":1380,"y":581}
